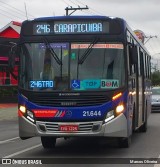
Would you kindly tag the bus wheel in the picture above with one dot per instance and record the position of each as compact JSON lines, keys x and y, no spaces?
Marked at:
{"x":48,"y":142}
{"x":143,"y":128}
{"x":133,"y":119}
{"x":124,"y":142}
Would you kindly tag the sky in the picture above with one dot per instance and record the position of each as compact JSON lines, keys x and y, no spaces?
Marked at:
{"x":139,"y":14}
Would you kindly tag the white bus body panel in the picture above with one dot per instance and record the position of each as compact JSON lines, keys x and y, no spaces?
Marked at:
{"x":114,"y":128}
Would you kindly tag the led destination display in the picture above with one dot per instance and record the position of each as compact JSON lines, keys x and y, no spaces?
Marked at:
{"x":78,"y":28}
{"x":71,"y":27}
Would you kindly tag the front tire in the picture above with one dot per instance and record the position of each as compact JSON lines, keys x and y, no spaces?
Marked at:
{"x":143,"y":128}
{"x":124,"y":142}
{"x":48,"y":142}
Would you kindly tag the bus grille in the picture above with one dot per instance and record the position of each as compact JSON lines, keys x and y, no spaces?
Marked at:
{"x":54,"y":100}
{"x":82,"y":127}
{"x":155,"y":108}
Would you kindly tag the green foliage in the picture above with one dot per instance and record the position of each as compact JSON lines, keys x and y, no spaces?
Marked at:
{"x":155,"y":77}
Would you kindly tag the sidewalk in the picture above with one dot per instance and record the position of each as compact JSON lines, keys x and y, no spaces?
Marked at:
{"x":8,"y":111}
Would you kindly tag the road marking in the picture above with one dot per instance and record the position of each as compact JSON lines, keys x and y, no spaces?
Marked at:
{"x":20,"y":152}
{"x":8,"y":140}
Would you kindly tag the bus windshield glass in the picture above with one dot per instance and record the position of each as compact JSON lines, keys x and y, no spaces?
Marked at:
{"x":78,"y":66}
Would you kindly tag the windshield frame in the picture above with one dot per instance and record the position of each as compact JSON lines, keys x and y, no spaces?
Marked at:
{"x":69,"y":89}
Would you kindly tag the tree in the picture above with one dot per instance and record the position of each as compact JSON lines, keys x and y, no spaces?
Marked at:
{"x":155,"y":77}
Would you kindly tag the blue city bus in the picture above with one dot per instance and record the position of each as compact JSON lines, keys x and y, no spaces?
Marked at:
{"x":82,"y":76}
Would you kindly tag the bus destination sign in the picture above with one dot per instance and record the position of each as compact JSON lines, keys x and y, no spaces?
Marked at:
{"x":71,"y":27}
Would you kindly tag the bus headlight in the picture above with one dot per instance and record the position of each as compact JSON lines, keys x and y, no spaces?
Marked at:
{"x":22,"y":109}
{"x":109,"y":116}
{"x":30,"y":116}
{"x":119,"y":109}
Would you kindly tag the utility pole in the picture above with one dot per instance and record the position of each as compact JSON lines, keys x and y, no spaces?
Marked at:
{"x":74,"y":9}
{"x":155,"y":36}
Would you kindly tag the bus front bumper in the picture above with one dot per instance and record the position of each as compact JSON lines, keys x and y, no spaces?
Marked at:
{"x":116,"y":127}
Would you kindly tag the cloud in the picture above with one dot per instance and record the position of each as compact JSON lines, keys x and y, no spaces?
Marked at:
{"x":139,"y":14}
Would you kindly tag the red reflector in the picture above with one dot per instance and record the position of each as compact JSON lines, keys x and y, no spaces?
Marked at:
{"x":20,"y":113}
{"x":45,"y":113}
{"x":68,"y":128}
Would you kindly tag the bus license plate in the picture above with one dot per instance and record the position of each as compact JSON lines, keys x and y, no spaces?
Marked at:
{"x":69,"y":128}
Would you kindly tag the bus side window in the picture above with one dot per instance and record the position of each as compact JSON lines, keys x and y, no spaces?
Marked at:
{"x":133,"y":58}
{"x":131,"y":65}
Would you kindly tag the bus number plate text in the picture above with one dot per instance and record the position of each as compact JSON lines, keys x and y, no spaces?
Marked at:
{"x":68,"y":128}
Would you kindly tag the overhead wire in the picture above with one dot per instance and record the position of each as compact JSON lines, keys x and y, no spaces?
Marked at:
{"x":80,"y":2}
{"x":96,"y":11}
{"x":91,"y":9}
{"x":66,"y":3}
{"x":16,"y":9}
{"x":73,"y":3}
{"x":11,"y":14}
{"x":6,"y":15}
{"x":88,"y":12}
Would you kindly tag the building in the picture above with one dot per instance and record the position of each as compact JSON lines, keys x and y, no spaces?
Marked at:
{"x":9,"y":36}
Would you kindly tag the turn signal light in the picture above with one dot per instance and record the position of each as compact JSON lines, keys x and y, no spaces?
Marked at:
{"x":116,"y":96}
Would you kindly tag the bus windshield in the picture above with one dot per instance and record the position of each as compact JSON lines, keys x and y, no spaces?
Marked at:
{"x":81,"y":67}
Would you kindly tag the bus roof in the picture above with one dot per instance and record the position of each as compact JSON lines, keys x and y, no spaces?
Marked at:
{"x":75,"y":17}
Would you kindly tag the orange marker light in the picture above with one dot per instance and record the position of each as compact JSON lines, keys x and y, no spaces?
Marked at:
{"x":117,"y":96}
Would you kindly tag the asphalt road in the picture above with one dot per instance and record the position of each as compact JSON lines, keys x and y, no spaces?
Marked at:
{"x":144,"y":145}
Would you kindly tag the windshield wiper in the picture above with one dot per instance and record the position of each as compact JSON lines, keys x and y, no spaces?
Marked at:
{"x":52,"y":51}
{"x":87,"y":51}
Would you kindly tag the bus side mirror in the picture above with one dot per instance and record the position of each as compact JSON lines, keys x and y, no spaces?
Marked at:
{"x":12,"y":58}
{"x":134,"y":55}
{"x":12,"y":61}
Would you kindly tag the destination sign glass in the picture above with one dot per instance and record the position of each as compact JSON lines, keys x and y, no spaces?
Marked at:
{"x":70,"y":27}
